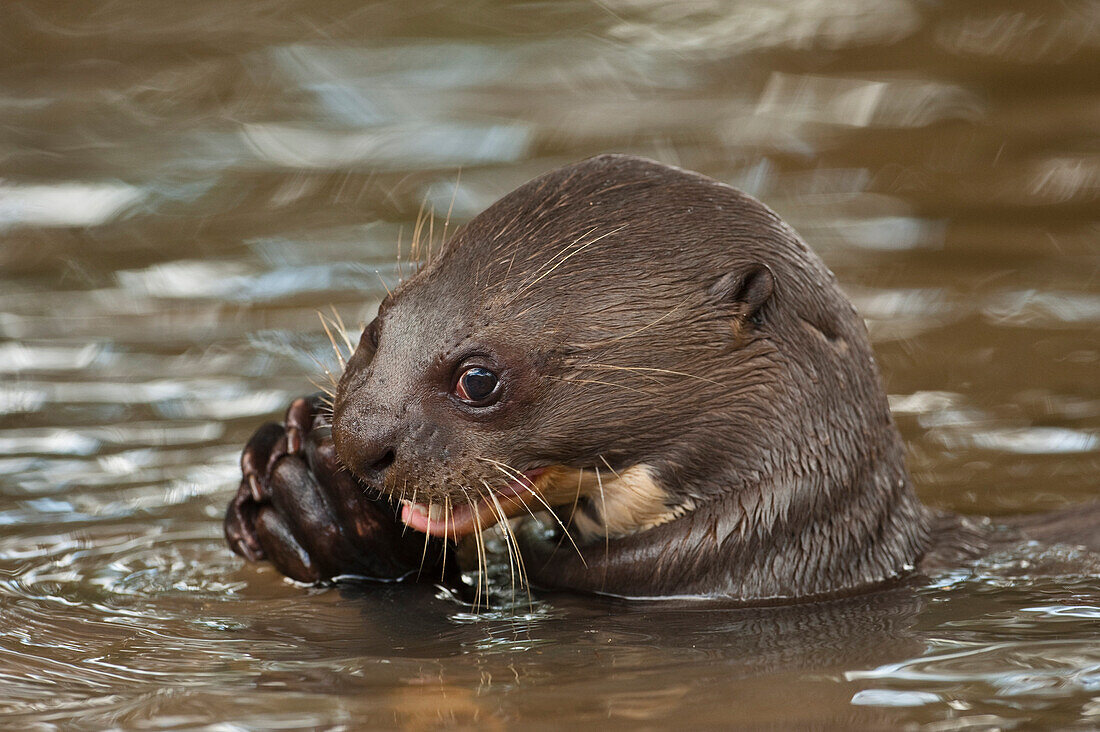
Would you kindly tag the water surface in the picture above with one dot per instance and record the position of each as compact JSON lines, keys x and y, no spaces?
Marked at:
{"x":184,"y":185}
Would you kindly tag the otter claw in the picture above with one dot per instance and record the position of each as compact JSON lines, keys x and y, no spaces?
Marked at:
{"x":293,"y":440}
{"x":239,"y":529}
{"x":299,"y":415}
{"x":256,"y":488}
{"x":246,"y":551}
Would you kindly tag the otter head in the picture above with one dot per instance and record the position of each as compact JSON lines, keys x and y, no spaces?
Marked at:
{"x":629,"y":341}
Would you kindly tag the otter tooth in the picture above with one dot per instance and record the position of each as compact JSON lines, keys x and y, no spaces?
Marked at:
{"x":435,"y":512}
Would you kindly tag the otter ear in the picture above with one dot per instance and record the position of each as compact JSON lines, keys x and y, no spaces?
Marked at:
{"x":751,"y":288}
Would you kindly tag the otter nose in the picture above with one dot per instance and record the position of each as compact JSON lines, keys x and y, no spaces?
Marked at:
{"x":374,"y":464}
{"x":365,"y":447}
{"x":369,"y":457}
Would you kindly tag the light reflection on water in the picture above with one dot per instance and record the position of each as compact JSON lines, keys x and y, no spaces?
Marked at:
{"x":183,"y":187}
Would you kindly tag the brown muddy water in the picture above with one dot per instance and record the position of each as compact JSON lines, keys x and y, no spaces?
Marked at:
{"x":184,"y":185}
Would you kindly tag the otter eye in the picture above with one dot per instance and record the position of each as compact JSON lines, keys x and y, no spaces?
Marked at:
{"x":477,"y":385}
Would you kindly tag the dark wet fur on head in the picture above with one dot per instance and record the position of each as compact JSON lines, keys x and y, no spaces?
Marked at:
{"x":644,"y":315}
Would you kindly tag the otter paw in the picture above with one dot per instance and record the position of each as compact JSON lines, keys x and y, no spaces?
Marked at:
{"x":279,"y":497}
{"x":240,"y":516}
{"x":299,"y":509}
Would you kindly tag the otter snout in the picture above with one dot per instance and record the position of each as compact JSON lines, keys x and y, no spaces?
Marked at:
{"x":366,"y":444}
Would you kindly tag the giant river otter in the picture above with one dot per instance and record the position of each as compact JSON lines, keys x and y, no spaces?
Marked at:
{"x":649,"y":365}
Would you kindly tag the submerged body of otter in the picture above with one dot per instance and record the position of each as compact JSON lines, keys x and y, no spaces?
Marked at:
{"x":646,"y":358}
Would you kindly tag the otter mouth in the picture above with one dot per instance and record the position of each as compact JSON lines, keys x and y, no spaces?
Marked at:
{"x":457,"y":521}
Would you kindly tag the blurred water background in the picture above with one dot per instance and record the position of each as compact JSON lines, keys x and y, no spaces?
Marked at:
{"x":184,"y":185}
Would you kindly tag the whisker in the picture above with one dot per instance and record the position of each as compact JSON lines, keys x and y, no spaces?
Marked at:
{"x":482,"y":563}
{"x":427,"y":537}
{"x":647,"y":326}
{"x":383,"y":281}
{"x":400,"y":267}
{"x":332,"y":341}
{"x":576,"y":500}
{"x":417,"y":227}
{"x":510,"y":539}
{"x":616,"y":473}
{"x":405,"y":526}
{"x":522,"y":565}
{"x":325,"y":370}
{"x":645,"y":369}
{"x":510,"y":263}
{"x":499,"y":511}
{"x":322,"y":387}
{"x":526,"y":483}
{"x":525,"y":285}
{"x":431,"y":229}
{"x":446,"y":515}
{"x":597,"y":381}
{"x":450,"y":208}
{"x":562,"y":261}
{"x":343,"y":330}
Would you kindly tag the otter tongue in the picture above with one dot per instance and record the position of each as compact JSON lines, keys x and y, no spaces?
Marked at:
{"x":431,"y":520}
{"x":465,"y":519}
